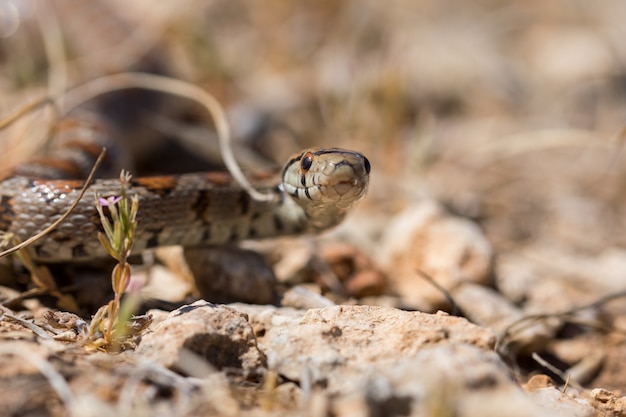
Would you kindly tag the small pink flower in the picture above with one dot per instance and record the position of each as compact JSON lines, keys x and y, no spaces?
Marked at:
{"x":109,"y":201}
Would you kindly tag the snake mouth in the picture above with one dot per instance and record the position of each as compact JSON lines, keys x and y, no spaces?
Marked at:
{"x":344,"y":187}
{"x":350,"y":177}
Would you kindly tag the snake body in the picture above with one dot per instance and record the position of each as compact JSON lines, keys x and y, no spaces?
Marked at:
{"x":317,"y":189}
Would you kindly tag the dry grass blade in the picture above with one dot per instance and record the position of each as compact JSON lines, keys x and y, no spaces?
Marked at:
{"x":565,"y":377}
{"x":529,"y":320}
{"x":454,"y":308}
{"x":52,"y":38}
{"x":29,"y":325}
{"x":21,"y":112}
{"x":106,"y":84}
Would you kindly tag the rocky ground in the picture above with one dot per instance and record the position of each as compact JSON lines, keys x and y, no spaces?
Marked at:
{"x":483,"y":275}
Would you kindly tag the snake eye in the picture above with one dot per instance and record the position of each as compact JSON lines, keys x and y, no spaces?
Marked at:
{"x":366,"y":165}
{"x":306,"y":162}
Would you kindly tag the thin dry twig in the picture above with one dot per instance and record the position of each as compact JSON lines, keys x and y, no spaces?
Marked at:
{"x":52,"y":38}
{"x":26,"y":109}
{"x":529,"y":320}
{"x":106,"y":84}
{"x":33,"y":292}
{"x":29,"y":325}
{"x":454,"y":308}
{"x":109,"y":83}
{"x":564,"y":377}
{"x":566,"y":385}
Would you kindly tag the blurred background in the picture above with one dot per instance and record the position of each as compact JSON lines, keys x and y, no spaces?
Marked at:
{"x":509,"y":114}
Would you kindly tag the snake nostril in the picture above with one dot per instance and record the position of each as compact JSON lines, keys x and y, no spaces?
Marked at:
{"x":366,"y":165}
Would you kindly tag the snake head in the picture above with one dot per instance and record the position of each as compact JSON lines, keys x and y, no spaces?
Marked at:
{"x":326,"y":183}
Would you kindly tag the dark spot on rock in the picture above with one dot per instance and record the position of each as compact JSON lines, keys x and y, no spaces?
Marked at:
{"x":333,"y":332}
{"x":392,"y":406}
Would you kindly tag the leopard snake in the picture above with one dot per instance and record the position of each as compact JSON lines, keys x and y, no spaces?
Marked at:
{"x":317,"y":189}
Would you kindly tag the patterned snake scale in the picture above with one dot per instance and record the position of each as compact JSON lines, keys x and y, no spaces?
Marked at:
{"x":318,"y":188}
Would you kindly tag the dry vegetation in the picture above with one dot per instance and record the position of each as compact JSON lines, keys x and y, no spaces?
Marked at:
{"x":509,"y":114}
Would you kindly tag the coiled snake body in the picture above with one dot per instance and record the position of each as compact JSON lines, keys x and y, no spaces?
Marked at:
{"x":318,"y":187}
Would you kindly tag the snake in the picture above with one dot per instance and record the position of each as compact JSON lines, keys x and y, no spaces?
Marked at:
{"x":314,"y":191}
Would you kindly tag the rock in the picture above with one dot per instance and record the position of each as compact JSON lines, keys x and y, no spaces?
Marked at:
{"x":451,"y":250}
{"x":158,"y":282}
{"x":219,"y":334}
{"x":290,"y":257}
{"x":340,"y":267}
{"x":537,"y":382}
{"x":262,"y":317}
{"x":227,"y":274}
{"x":354,"y":269}
{"x":488,"y":308}
{"x":443,"y":380}
{"x":562,"y":405}
{"x":302,"y":298}
{"x":325,"y":343}
{"x":608,"y":403}
{"x":533,"y":275}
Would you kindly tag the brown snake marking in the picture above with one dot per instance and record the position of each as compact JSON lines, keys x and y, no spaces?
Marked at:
{"x":318,"y":188}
